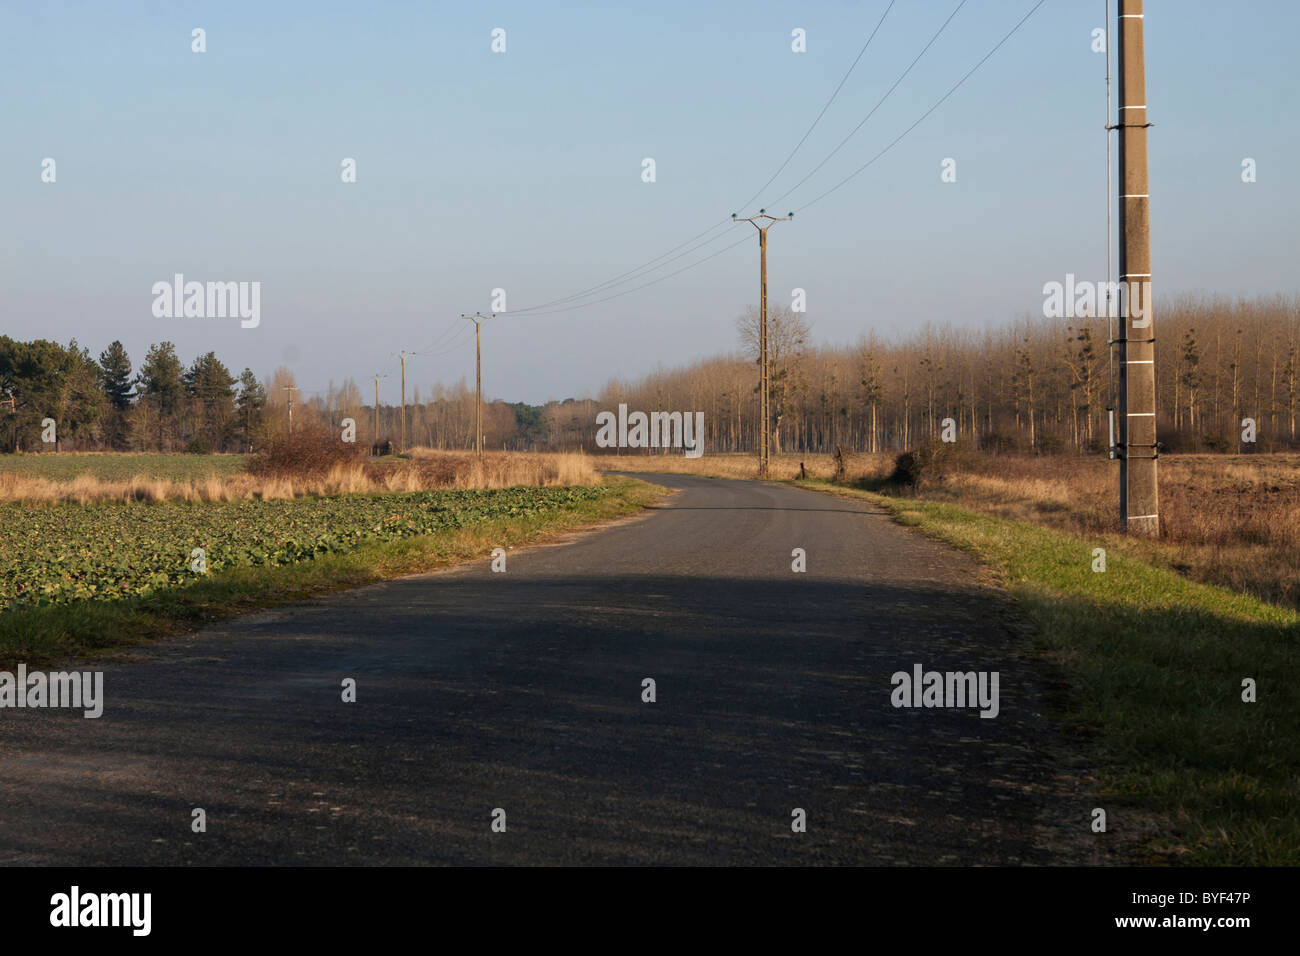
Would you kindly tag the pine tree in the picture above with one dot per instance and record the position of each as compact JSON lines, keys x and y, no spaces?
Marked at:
{"x":115,"y":381}
{"x":210,"y":387}
{"x":159,"y":385}
{"x":250,"y":403}
{"x":115,"y":375}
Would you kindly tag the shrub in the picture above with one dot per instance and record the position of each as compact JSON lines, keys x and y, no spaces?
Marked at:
{"x":927,"y":461}
{"x":1051,"y":445}
{"x":312,"y":451}
{"x":907,"y":471}
{"x":999,"y":443}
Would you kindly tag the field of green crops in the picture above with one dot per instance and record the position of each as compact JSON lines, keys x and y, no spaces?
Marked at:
{"x":64,"y":466}
{"x":65,"y":553}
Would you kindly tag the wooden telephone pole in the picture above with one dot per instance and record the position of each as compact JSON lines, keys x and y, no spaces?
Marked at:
{"x":478,"y":319}
{"x":290,"y":389}
{"x":1139,"y":499}
{"x":13,"y":410}
{"x":402,"y":355}
{"x":377,"y":378}
{"x":764,"y":412}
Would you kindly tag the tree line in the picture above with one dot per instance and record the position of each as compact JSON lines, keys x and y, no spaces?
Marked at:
{"x":167,"y":406}
{"x":105,"y":404}
{"x":1032,"y":385}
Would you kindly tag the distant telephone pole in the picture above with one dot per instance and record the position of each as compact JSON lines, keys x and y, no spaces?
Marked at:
{"x":13,"y":410}
{"x":402,"y":355}
{"x":377,"y":378}
{"x":1138,"y":485}
{"x":478,"y":319}
{"x":290,"y":389}
{"x":764,"y":414}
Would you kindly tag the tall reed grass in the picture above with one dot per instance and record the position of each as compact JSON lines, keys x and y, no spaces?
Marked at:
{"x":424,"y":470}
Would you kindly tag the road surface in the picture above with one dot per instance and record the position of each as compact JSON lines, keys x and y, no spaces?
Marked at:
{"x":522,"y":691}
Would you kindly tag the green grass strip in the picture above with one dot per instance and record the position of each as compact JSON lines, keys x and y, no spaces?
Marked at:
{"x":1155,"y":665}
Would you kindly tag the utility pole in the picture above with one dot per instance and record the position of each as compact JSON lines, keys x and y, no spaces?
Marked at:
{"x":764,"y":413}
{"x":402,"y":355}
{"x":13,"y":410}
{"x":1110,"y":238}
{"x":478,"y":319}
{"x":377,"y":378}
{"x":290,"y":389}
{"x":1138,"y":487}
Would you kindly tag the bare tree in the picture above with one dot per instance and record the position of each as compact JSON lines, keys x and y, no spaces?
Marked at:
{"x":787,"y":337}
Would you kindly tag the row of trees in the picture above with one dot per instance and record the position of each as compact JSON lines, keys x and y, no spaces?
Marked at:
{"x":1037,"y":384}
{"x":168,"y":406}
{"x":105,"y":404}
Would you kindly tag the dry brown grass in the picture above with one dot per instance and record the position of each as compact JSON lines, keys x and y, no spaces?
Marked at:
{"x":499,"y":469}
{"x":1228,"y":520}
{"x":739,"y":465}
{"x":425,"y":470}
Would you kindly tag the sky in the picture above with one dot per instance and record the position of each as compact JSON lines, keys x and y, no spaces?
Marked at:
{"x":523,"y":170}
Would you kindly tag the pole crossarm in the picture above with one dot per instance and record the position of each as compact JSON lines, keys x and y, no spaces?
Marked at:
{"x":762,"y":215}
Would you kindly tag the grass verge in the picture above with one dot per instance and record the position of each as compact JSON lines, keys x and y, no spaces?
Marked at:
{"x":1154,"y":664}
{"x":42,"y":635}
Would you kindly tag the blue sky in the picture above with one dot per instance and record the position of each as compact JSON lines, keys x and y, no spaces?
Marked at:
{"x":522,"y":171}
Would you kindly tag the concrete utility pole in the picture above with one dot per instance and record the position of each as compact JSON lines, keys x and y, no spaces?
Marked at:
{"x":478,"y":319}
{"x":290,"y":389}
{"x":377,"y":378}
{"x":764,"y":413}
{"x":1139,"y":498}
{"x":1110,"y":239}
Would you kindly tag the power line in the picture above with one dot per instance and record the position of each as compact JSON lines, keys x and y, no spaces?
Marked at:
{"x":937,"y":104}
{"x":644,"y":272}
{"x":843,"y":80}
{"x":451,"y":344}
{"x":853,"y":132}
{"x":638,"y":288}
{"x":654,"y":264}
{"x":650,"y":265}
{"x":630,"y":274}
{"x":852,"y":175}
{"x":441,"y":337}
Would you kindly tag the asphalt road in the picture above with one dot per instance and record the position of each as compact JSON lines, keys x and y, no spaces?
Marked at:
{"x":523,"y":691}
